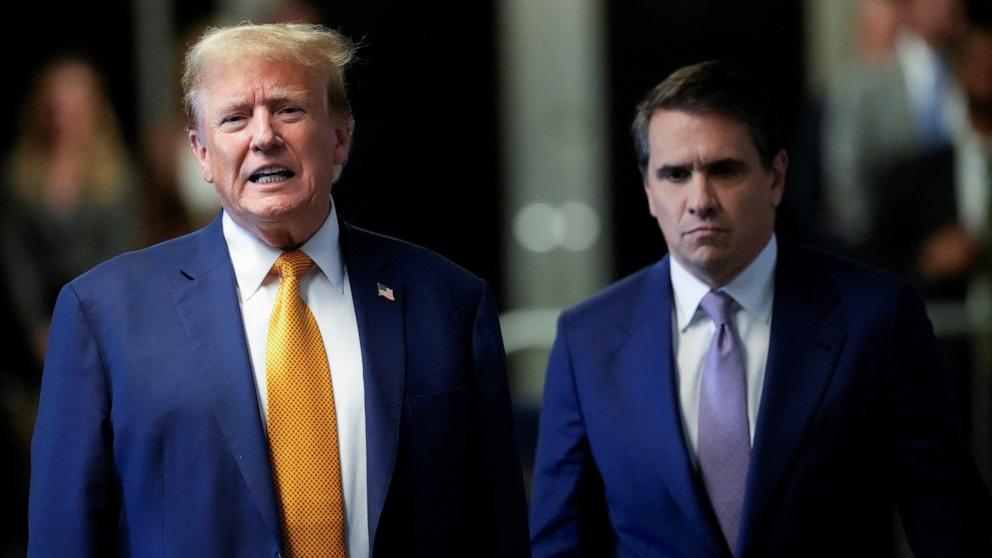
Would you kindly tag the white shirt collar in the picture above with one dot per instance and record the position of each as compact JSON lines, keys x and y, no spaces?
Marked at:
{"x":753,"y":288}
{"x":252,"y":259}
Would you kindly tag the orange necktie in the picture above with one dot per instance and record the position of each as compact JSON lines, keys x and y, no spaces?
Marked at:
{"x":303,"y":432}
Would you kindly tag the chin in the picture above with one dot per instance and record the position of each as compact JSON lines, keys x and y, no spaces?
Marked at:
{"x":712,"y":266}
{"x":710,"y":255}
{"x":275,"y":208}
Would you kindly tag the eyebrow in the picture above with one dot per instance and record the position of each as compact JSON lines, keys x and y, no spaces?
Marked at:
{"x":283,"y":94}
{"x":275,"y":96}
{"x":724,"y":164}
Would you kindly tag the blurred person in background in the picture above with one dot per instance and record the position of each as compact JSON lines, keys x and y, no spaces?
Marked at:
{"x":69,"y":189}
{"x":933,"y":224}
{"x":877,"y":24}
{"x":899,"y":97}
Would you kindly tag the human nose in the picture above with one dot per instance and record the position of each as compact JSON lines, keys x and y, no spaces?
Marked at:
{"x":265,"y":136}
{"x":702,"y":198}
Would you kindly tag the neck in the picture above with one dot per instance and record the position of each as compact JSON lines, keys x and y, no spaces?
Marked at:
{"x":285,"y":235}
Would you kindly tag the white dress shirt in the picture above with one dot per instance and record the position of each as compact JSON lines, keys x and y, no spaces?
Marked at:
{"x":693,"y":330}
{"x":922,"y":67}
{"x":972,"y":156}
{"x":326,"y":291}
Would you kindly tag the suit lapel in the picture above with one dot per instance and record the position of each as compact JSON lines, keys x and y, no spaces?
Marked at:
{"x":381,"y":331}
{"x":207,"y":302}
{"x":807,"y":335}
{"x":646,"y":379}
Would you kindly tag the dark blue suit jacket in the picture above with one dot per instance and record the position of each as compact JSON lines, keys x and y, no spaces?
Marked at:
{"x":149,"y":440}
{"x":856,"y":416}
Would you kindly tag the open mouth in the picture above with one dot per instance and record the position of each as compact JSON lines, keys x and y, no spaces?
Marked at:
{"x":269,"y":175}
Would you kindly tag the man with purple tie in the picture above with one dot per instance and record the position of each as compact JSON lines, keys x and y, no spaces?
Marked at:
{"x":746,"y":397}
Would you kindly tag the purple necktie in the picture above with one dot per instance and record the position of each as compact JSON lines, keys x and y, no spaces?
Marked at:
{"x":724,"y":442}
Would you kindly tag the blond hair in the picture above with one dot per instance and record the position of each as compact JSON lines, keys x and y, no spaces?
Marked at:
{"x":323,"y":50}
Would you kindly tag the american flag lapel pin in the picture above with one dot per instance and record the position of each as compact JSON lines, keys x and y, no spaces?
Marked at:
{"x":385,"y":292}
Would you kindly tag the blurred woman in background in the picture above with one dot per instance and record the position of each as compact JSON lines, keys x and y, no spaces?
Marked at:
{"x":69,"y":190}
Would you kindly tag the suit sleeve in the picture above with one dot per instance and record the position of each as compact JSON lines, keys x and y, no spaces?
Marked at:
{"x":502,"y":528}
{"x":945,"y":507}
{"x":72,"y":508}
{"x":568,"y":511}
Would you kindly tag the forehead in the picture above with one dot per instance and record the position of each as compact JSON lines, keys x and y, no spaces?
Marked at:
{"x":256,"y":79}
{"x":685,"y":136}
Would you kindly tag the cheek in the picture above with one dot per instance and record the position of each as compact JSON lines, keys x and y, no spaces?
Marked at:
{"x":668,"y":220}
{"x":753,"y":213}
{"x":225,"y":161}
{"x":659,"y":204}
{"x":226,"y":157}
{"x":652,"y":209}
{"x":667,"y":212}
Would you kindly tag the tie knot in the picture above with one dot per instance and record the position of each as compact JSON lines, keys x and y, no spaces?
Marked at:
{"x":292,"y":265}
{"x":718,"y":305}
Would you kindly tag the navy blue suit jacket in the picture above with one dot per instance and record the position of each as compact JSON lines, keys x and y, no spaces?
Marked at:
{"x":149,"y":440}
{"x":856,"y":416}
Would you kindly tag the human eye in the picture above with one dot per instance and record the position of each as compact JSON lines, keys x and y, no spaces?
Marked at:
{"x":726,"y":169}
{"x":676,"y":174}
{"x":232,"y":120}
{"x":290,"y":112}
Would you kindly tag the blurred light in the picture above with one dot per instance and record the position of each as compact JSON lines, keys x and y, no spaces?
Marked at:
{"x":581,"y":226}
{"x":538,"y":227}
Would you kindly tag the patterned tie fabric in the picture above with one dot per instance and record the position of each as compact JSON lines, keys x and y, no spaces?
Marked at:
{"x":724,"y":441}
{"x":303,"y":433}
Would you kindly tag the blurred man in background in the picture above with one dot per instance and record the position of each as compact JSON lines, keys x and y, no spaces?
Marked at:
{"x":899,"y":98}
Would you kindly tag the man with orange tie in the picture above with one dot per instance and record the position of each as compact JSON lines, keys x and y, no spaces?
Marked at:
{"x":278,"y":383}
{"x":744,"y":397}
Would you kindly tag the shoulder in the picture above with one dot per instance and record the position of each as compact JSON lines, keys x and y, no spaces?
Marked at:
{"x":404,"y":254}
{"x":156,"y":267}
{"x":625,"y":302}
{"x":819,"y":265}
{"x":420,"y":269}
{"x":859,"y":288}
